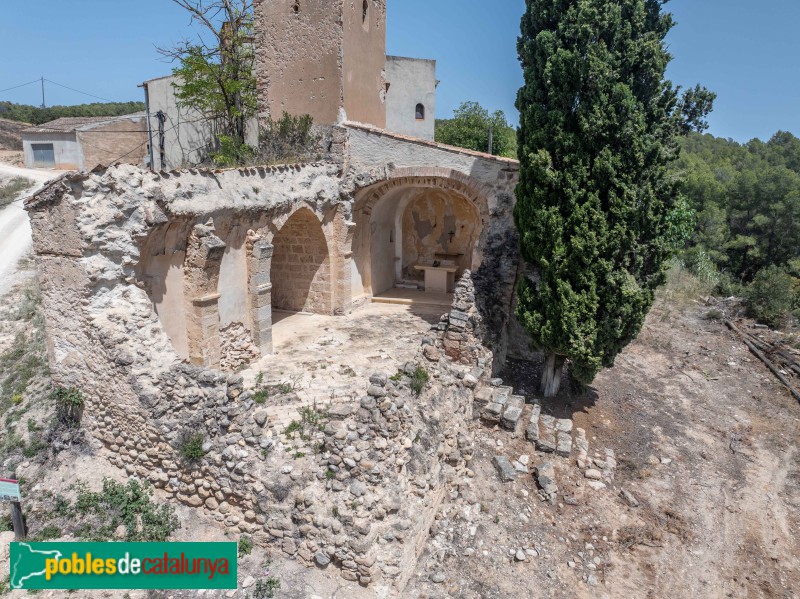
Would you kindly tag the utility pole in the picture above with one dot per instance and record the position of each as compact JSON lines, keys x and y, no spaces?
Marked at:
{"x":43,"y":102}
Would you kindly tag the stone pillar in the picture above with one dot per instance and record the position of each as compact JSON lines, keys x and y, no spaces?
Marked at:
{"x":260,"y":288}
{"x":344,"y":232}
{"x":205,"y":349}
{"x":204,"y":253}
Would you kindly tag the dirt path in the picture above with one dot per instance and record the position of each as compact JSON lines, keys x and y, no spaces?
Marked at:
{"x":15,"y":229}
{"x":705,"y":439}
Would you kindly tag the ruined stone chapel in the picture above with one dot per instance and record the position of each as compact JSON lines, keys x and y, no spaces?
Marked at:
{"x":152,"y":280}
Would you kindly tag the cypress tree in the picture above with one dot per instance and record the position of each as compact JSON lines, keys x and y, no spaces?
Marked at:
{"x":597,"y":211}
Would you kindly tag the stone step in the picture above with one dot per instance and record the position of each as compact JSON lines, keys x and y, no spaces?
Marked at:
{"x":512,"y":415}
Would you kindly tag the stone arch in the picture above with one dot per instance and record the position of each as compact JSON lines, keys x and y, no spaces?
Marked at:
{"x":301,"y":266}
{"x":372,"y":268}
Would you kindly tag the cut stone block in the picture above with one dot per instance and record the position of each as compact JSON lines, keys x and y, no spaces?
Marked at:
{"x":547,"y":435}
{"x":501,"y":395}
{"x":516,"y":401}
{"x":492,"y":412}
{"x":511,"y":418}
{"x":504,"y":468}
{"x":546,"y":478}
{"x":564,"y":447}
{"x":532,"y":433}
{"x":564,"y":425}
{"x":483,"y":397}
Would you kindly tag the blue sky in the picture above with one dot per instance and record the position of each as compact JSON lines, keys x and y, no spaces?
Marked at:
{"x":744,"y":50}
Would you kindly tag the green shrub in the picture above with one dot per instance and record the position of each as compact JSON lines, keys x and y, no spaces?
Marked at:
{"x":69,"y":405}
{"x":419,"y":379}
{"x":714,"y":315}
{"x":289,"y":139}
{"x":46,"y":534}
{"x":232,"y":152}
{"x":265,"y":588}
{"x":190,"y":446}
{"x":698,"y":262}
{"x":770,"y":297}
{"x":98,"y":515}
{"x":261,"y":396}
{"x":245,"y":545}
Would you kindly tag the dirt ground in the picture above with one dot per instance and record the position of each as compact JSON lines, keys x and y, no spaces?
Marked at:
{"x":707,"y":442}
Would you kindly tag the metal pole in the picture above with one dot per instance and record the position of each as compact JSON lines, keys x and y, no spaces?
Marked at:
{"x":18,"y":521}
{"x":491,"y":138}
{"x":149,"y":124}
{"x":44,"y":105}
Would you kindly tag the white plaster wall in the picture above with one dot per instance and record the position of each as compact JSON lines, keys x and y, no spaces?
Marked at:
{"x":187,"y":134}
{"x":411,"y":81}
{"x":165,"y":277}
{"x":232,"y":286}
{"x":370,"y":149}
{"x":65,"y":145}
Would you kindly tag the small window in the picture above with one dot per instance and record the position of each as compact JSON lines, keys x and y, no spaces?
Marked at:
{"x":365,"y":12}
{"x":420,"y":112}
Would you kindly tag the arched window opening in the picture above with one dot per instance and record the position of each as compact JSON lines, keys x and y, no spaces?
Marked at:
{"x":420,"y":112}
{"x":365,"y":12}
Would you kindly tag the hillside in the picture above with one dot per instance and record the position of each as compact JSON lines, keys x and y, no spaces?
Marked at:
{"x":37,"y":116}
{"x":11,"y":135}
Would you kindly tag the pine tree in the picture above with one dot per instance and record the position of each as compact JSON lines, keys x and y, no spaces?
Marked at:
{"x":597,"y":210}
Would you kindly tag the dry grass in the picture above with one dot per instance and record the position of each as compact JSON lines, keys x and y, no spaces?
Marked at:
{"x":11,"y":190}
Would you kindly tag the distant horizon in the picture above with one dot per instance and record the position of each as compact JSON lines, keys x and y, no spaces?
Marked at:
{"x":741,"y":51}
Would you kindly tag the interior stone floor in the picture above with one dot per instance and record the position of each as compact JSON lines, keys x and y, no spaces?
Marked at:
{"x":327,"y":359}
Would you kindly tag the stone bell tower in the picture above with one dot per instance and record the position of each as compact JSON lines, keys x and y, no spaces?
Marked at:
{"x":325,"y":58}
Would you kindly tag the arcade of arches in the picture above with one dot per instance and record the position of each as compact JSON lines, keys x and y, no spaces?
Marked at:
{"x":215,"y":286}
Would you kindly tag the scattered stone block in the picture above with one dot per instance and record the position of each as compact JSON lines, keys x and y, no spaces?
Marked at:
{"x":593,"y":474}
{"x":511,"y":418}
{"x":376,"y":391}
{"x":629,"y":498}
{"x":379,"y":378}
{"x":546,"y":479}
{"x":340,"y":411}
{"x":492,"y":413}
{"x":564,"y":425}
{"x":532,"y":432}
{"x":483,"y":397}
{"x":504,"y":468}
{"x":564,"y":447}
{"x":583,"y":448}
{"x":546,"y":442}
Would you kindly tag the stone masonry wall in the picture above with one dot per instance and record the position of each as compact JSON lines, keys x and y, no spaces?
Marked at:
{"x":301,"y":266}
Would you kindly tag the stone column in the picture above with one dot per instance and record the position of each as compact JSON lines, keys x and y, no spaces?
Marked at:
{"x":201,"y":274}
{"x":205,"y":349}
{"x":344,"y":232}
{"x":260,"y":288}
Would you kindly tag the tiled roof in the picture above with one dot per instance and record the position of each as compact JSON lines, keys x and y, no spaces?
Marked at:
{"x":69,"y":124}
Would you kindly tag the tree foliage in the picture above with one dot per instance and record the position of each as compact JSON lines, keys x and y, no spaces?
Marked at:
{"x":36,"y":115}
{"x":469,"y":128}
{"x":215,"y":70}
{"x":747,"y":198}
{"x":597,"y":209}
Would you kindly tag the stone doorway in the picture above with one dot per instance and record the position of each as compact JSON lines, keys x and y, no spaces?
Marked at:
{"x":411,"y":228}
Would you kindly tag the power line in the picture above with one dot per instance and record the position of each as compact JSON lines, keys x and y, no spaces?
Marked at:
{"x":79,"y":91}
{"x":18,"y":86}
